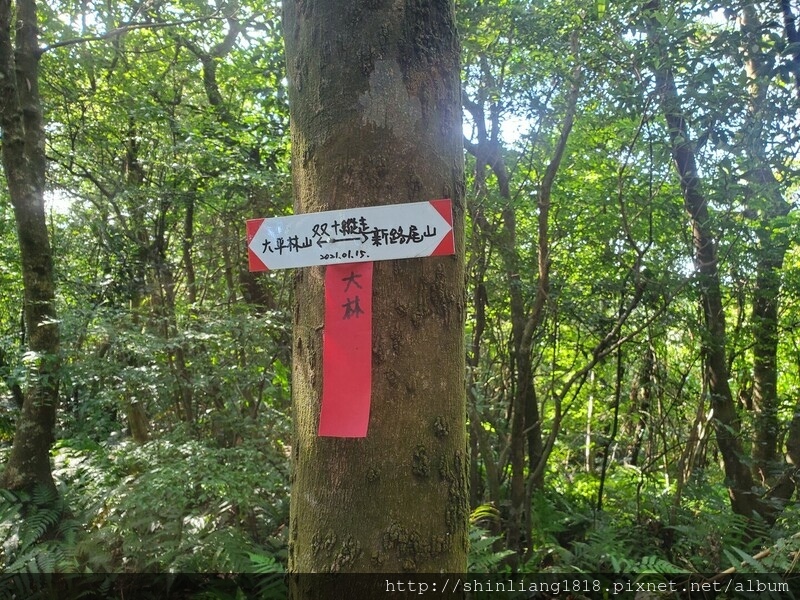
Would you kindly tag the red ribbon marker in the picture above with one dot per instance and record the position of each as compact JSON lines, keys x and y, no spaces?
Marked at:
{"x":347,"y":351}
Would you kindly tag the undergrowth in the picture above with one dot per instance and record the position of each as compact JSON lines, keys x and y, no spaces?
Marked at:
{"x":182,"y":506}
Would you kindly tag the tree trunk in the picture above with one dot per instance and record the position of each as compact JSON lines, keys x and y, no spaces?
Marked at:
{"x":741,"y":485}
{"x":525,"y":441}
{"x":375,"y":104}
{"x":641,"y":397}
{"x":765,"y":192}
{"x":24,"y":165}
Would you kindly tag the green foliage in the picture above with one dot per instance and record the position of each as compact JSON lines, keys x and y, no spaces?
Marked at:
{"x":38,"y":537}
{"x":484,"y":557}
{"x":235,"y":371}
{"x":636,"y":534}
{"x":486,"y":554}
{"x":163,"y":140}
{"x":205,"y":508}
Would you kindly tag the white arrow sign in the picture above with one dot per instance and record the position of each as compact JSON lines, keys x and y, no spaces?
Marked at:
{"x":353,"y":235}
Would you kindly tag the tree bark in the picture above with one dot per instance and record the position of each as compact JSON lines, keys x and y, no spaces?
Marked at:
{"x":765,"y":192}
{"x":24,"y":166}
{"x":727,"y":427}
{"x":375,"y":119}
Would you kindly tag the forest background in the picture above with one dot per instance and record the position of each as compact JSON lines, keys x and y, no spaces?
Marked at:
{"x":633,"y":287}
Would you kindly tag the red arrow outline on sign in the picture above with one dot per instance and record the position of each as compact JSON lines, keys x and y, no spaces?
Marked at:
{"x":254,"y":263}
{"x":447,"y":246}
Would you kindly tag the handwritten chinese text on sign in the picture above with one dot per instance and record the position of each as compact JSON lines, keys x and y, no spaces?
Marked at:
{"x":354,"y":235}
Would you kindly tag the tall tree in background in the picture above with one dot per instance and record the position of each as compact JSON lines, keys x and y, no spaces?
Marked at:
{"x":24,"y":167}
{"x":767,"y":208}
{"x":375,"y":104}
{"x":759,"y":483}
{"x":727,"y":425}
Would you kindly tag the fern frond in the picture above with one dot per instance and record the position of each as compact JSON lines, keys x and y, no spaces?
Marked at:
{"x":43,"y":495}
{"x":655,"y":564}
{"x":482,"y":556}
{"x":485,"y":513}
{"x":261,"y":563}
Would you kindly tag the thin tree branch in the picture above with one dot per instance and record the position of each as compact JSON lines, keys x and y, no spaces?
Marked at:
{"x":118,"y":31}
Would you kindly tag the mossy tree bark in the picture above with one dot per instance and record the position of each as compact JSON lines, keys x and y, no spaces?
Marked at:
{"x":376,"y":119}
{"x":24,"y":166}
